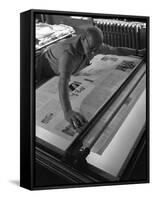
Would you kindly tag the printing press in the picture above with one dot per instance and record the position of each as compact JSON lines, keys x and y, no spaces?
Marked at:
{"x":114,"y":103}
{"x":111,"y":94}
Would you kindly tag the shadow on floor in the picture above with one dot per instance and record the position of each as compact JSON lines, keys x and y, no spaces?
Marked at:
{"x":15,"y":182}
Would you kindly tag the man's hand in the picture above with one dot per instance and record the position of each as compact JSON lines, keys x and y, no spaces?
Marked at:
{"x":75,"y":119}
{"x":142,"y":52}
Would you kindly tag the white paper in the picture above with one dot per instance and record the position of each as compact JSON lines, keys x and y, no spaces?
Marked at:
{"x":89,"y":90}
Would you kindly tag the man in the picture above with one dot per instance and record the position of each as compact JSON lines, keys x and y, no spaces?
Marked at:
{"x":70,"y":56}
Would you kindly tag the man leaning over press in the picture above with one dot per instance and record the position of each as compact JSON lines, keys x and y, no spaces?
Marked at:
{"x":69,"y":57}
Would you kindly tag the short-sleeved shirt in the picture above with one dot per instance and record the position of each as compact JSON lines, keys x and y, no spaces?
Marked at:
{"x":71,"y":46}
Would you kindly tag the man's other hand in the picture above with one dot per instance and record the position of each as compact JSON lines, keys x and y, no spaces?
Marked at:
{"x":75,"y":119}
{"x":142,"y":52}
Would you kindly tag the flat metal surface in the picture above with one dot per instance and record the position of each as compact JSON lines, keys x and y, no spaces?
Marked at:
{"x":114,"y":156}
{"x":113,"y":117}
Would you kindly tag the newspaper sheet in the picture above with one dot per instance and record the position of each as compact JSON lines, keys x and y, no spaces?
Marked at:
{"x":88,"y":90}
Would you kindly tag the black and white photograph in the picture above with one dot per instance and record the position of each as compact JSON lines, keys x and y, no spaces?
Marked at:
{"x":90,"y":99}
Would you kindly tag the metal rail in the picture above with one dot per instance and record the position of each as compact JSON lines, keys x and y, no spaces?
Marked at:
{"x":77,"y":146}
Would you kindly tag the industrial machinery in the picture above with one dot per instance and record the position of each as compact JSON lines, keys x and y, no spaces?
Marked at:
{"x":111,"y":94}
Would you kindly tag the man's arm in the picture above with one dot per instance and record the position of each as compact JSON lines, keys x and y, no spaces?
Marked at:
{"x":66,"y":68}
{"x":120,"y":51}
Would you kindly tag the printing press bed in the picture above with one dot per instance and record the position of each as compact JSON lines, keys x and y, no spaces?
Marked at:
{"x":111,"y":94}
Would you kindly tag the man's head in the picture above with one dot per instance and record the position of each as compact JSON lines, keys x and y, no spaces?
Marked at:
{"x":93,"y":36}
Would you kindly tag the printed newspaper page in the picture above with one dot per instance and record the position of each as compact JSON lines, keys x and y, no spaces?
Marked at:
{"x":88,"y":90}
